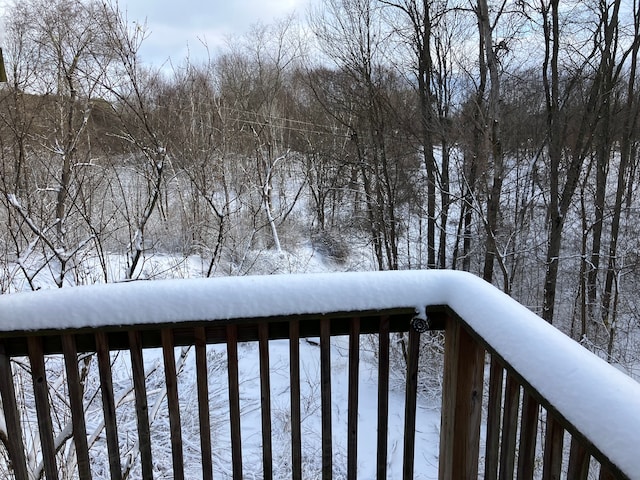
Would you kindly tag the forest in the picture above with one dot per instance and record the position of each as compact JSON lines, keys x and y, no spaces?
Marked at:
{"x":497,"y":137}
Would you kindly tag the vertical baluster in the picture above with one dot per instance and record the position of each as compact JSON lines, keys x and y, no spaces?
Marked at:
{"x":12,"y":417}
{"x":108,"y":404}
{"x":234,"y":400}
{"x":265,"y":389}
{"x":383,"y":397}
{"x":41,"y":394}
{"x":509,"y":428}
{"x":494,"y":411}
{"x":528,"y":434}
{"x":142,"y":410}
{"x":325,"y":394}
{"x":77,"y":406}
{"x":294,"y":374}
{"x":554,"y":437}
{"x":203,"y":403}
{"x":352,"y":422}
{"x":173,"y":404}
{"x":410,"y":404}
{"x":578,"y":461}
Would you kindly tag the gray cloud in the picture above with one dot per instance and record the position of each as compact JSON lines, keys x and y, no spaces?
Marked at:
{"x":180,"y":28}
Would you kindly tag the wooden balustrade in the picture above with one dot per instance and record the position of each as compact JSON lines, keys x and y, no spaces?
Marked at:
{"x":525,"y":431}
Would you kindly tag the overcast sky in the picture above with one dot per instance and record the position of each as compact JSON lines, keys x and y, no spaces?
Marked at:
{"x":178,"y":27}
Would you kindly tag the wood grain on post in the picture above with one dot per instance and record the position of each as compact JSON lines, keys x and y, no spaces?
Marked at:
{"x":461,"y":403}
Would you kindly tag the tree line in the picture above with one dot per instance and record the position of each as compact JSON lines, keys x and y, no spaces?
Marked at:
{"x":498,"y":137}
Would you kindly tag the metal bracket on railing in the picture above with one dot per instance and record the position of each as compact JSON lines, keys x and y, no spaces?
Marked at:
{"x":420,"y":324}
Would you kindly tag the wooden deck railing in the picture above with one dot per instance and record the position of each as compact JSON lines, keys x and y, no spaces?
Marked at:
{"x":533,"y":427}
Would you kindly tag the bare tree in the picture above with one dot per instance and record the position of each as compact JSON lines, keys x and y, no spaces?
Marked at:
{"x":422,"y":17}
{"x":563,"y":177}
{"x":69,"y":57}
{"x":630,"y":114}
{"x":253,"y":79}
{"x":350,"y":33}
{"x":133,"y":89}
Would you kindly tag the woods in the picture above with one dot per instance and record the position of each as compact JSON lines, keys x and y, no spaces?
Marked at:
{"x":498,"y":137}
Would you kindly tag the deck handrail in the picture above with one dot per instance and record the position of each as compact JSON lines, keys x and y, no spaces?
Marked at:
{"x":540,"y":373}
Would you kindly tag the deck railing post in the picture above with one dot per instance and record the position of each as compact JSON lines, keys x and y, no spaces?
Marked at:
{"x":461,"y":403}
{"x":77,"y":407}
{"x":234,"y":400}
{"x":173,"y":403}
{"x":352,"y":422}
{"x":294,"y":373}
{"x":203,"y":403}
{"x":509,"y":427}
{"x":553,"y":443}
{"x":142,"y":407}
{"x":108,"y":404}
{"x":578,"y":461}
{"x":528,"y":435}
{"x":43,"y":407}
{"x":265,"y":394}
{"x":12,"y":418}
{"x":383,"y":398}
{"x":494,"y":413}
{"x":325,"y":394}
{"x":411,"y":394}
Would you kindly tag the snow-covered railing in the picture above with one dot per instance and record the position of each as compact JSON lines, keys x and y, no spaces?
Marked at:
{"x":542,"y":386}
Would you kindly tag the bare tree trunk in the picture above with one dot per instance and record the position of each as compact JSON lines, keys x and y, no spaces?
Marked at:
{"x":630,"y":121}
{"x":604,"y":145}
{"x":444,"y":205}
{"x":561,"y":196}
{"x":489,"y":64}
{"x":552,"y":90}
